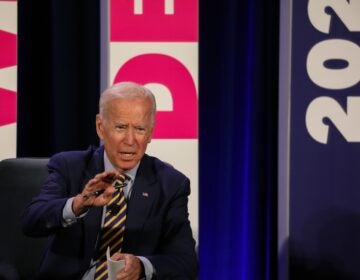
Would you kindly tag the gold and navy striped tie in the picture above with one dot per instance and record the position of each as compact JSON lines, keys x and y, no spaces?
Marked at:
{"x":112,"y":232}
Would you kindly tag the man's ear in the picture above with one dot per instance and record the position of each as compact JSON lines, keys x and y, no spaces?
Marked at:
{"x":99,"y":126}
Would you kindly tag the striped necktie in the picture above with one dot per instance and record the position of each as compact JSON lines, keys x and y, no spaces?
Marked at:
{"x":112,"y":232}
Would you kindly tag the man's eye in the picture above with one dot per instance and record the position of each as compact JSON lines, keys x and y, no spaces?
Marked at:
{"x":120,"y":127}
{"x":140,"y":129}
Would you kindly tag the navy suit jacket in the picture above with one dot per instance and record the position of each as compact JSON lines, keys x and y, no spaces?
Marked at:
{"x":157,"y":224}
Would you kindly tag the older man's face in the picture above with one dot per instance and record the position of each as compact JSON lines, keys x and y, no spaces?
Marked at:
{"x":125,"y":129}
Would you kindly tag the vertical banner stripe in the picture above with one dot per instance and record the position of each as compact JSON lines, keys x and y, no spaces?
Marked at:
{"x":8,"y":78}
{"x":155,"y":43}
{"x":284,"y":140}
{"x":323,"y":124}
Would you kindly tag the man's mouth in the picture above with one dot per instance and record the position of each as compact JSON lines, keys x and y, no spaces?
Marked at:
{"x":127,"y":154}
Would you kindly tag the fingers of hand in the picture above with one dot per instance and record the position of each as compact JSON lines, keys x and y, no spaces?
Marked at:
{"x":110,"y":176}
{"x":117,"y":257}
{"x":98,"y":191}
{"x":132,"y":269}
{"x":100,"y":182}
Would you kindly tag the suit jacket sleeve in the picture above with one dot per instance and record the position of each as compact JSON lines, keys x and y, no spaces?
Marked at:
{"x":68,"y":174}
{"x":43,"y":216}
{"x":72,"y":246}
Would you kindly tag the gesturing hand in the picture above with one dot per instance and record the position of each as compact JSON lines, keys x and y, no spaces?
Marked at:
{"x":97,"y":192}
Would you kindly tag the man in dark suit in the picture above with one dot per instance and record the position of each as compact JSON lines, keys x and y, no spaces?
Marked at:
{"x":157,"y":242}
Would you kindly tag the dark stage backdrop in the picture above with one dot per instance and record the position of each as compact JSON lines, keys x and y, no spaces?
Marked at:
{"x":58,"y":78}
{"x":58,"y":88}
{"x":238,"y":139}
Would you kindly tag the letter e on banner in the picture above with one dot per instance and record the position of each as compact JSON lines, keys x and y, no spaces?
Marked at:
{"x":154,"y":20}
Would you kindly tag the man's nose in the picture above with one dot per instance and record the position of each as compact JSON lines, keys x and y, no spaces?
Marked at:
{"x":129,"y":136}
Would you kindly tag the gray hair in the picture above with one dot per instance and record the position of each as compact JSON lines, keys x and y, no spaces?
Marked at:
{"x":126,"y":90}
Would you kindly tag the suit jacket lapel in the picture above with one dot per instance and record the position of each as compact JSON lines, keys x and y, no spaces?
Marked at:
{"x":143,"y":195}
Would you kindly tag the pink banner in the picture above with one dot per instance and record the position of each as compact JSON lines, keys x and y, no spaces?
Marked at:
{"x":7,"y":59}
{"x":7,"y":107}
{"x":154,"y":20}
{"x":8,"y":78}
{"x":143,"y":23}
{"x":155,"y":43}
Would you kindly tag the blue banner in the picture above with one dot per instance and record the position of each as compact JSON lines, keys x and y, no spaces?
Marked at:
{"x":323,"y":181}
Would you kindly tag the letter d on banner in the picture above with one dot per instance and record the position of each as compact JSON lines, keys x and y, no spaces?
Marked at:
{"x":155,"y":43}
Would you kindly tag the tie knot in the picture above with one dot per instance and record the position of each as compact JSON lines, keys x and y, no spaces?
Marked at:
{"x":120,"y":181}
